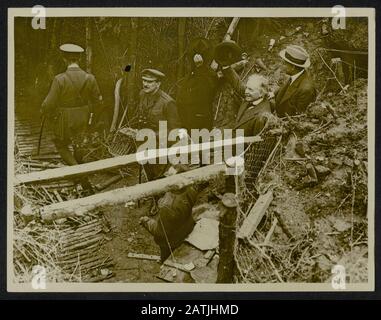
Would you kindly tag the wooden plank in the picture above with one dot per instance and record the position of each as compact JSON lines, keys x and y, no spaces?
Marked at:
{"x":144,"y":256}
{"x":79,"y":207}
{"x":118,"y":162}
{"x":255,"y":216}
{"x":104,"y":184}
{"x":271,"y":231}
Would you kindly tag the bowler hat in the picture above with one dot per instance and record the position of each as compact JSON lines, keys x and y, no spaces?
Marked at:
{"x":152,"y":74}
{"x":296,"y":55}
{"x":227,"y":52}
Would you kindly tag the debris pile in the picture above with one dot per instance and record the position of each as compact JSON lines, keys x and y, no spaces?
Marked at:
{"x":319,"y":180}
{"x":68,"y":254}
{"x":80,"y":253}
{"x":69,"y":249}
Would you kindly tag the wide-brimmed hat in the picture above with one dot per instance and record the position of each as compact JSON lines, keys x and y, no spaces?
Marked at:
{"x":296,"y":55}
{"x":152,"y":75}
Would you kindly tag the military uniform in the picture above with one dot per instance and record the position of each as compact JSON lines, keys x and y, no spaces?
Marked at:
{"x":174,"y":221}
{"x":152,"y":108}
{"x":156,"y":107}
{"x":68,"y":105}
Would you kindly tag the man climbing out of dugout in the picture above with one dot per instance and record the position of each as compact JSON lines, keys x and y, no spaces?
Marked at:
{"x":69,"y":107}
{"x":174,"y":221}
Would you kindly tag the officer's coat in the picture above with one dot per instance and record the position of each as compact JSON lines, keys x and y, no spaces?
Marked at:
{"x":158,"y":107}
{"x":63,"y":94}
{"x":68,"y":104}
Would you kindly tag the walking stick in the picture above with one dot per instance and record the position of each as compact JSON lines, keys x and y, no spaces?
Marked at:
{"x":40,"y":136}
{"x":140,"y":179}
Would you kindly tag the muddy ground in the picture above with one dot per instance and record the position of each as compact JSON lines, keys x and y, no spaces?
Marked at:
{"x":129,"y":236}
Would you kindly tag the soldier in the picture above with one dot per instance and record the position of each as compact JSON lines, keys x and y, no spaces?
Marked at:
{"x":155,"y":105}
{"x":174,"y":221}
{"x":299,"y":91}
{"x":69,"y":106}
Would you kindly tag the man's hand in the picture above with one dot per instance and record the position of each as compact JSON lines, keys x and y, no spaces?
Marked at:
{"x":182,"y":134}
{"x":198,"y":60}
{"x":144,"y":220}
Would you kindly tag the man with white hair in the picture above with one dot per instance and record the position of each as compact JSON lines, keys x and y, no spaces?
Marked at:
{"x":255,"y":108}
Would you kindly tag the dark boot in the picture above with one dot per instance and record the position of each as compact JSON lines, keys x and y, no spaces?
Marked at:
{"x":78,"y":154}
{"x":65,"y":153}
{"x":86,"y":185}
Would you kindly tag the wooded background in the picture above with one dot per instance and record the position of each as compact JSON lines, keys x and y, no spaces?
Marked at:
{"x":111,"y":43}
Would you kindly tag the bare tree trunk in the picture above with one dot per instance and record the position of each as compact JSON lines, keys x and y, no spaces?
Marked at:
{"x":53,"y":39}
{"x":181,"y":46}
{"x":131,"y":80}
{"x":231,"y":29}
{"x":89,"y":51}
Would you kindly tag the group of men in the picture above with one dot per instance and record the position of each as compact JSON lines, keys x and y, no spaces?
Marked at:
{"x":74,"y":95}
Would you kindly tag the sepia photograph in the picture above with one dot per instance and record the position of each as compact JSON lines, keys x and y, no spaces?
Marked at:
{"x":191,"y":149}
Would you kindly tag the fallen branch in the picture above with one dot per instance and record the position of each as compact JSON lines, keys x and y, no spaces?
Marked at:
{"x":268,"y":258}
{"x":270,"y":233}
{"x":330,"y":69}
{"x":323,"y":126}
{"x":296,"y":159}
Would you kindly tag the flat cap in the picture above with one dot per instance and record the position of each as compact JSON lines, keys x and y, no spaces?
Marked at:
{"x":152,"y":74}
{"x":70,"y":47}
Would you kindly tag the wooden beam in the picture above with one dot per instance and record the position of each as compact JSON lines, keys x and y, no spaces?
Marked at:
{"x":231,"y":29}
{"x":271,"y":231}
{"x":117,"y":162}
{"x":227,"y":239}
{"x":81,"y":206}
{"x":255,"y":216}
